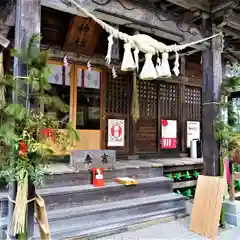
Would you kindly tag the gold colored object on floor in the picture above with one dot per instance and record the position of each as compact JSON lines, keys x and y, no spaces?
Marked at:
{"x":126,"y":181}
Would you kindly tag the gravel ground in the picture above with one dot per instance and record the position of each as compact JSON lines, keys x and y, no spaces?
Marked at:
{"x":176,"y":230}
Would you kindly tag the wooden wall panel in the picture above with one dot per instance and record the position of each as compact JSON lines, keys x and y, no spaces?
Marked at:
{"x":89,"y":140}
{"x":194,"y":73}
{"x":146,"y":127}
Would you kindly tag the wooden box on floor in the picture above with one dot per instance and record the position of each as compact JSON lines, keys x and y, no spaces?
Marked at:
{"x":207,"y":206}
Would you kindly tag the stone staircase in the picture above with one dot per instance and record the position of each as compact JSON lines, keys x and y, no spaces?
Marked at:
{"x":76,"y":209}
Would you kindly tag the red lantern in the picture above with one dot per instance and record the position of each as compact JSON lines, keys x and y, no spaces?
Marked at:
{"x":97,"y":174}
{"x":164,"y":123}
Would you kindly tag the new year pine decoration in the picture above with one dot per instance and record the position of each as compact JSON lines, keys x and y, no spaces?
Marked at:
{"x":144,"y":43}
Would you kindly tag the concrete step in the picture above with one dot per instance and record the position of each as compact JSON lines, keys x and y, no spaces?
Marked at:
{"x":79,"y":220}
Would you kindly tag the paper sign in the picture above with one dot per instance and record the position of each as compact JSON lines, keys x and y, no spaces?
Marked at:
{"x":57,"y":75}
{"x":193,"y":131}
{"x":115,"y":133}
{"x":169,"y":133}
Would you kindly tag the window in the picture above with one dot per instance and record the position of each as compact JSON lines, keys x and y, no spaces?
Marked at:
{"x":88,"y":99}
{"x":60,"y":88}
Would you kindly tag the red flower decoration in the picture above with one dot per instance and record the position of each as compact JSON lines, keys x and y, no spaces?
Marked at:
{"x":48,"y":132}
{"x":22,"y":148}
{"x":164,"y":123}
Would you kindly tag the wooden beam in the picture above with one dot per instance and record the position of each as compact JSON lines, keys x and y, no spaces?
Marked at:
{"x":223,"y":5}
{"x":58,"y":54}
{"x":190,"y":4}
{"x":82,"y":36}
{"x":233,"y":20}
{"x":28,"y":19}
{"x":135,"y":14}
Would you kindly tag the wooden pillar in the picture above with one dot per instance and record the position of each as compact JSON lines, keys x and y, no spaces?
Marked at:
{"x":28,"y":20}
{"x":212,"y":77}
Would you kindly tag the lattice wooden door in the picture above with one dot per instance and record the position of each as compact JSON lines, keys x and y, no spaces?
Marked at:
{"x":146,"y":129}
{"x":117,"y":105}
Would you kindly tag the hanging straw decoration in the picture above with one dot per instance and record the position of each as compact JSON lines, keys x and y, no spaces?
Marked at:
{"x":128,"y":63}
{"x":146,"y":44}
{"x":20,"y":209}
{"x":165,"y":68}
{"x":135,"y":99}
{"x":148,"y":71}
{"x":2,"y":85}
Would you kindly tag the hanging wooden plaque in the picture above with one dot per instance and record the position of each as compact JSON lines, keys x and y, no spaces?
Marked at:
{"x":82,"y":36}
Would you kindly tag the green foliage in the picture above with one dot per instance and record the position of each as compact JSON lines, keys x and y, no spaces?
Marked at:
{"x":237,"y":184}
{"x":19,"y":124}
{"x":225,"y":130}
{"x":236,"y":168}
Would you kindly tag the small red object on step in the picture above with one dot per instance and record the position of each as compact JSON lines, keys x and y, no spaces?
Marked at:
{"x":98,"y":179}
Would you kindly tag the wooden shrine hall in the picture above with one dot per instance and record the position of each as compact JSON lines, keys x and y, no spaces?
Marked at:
{"x":170,"y":111}
{"x":146,"y":125}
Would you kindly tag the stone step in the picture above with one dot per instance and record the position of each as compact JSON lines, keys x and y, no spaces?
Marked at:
{"x":71,"y":196}
{"x":135,"y":169}
{"x":88,"y":194}
{"x":77,"y":221}
{"x":100,"y":231}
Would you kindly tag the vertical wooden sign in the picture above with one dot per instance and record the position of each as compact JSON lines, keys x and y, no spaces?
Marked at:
{"x":207,"y":206}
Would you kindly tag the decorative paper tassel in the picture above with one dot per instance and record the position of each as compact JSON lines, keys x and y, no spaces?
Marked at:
{"x":176,"y":64}
{"x":109,"y":51}
{"x":128,"y":62}
{"x":165,"y":68}
{"x":148,"y":71}
{"x":20,"y":209}
{"x":135,"y":100}
{"x":136,"y":58}
{"x":89,"y":66}
{"x":114,"y":74}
